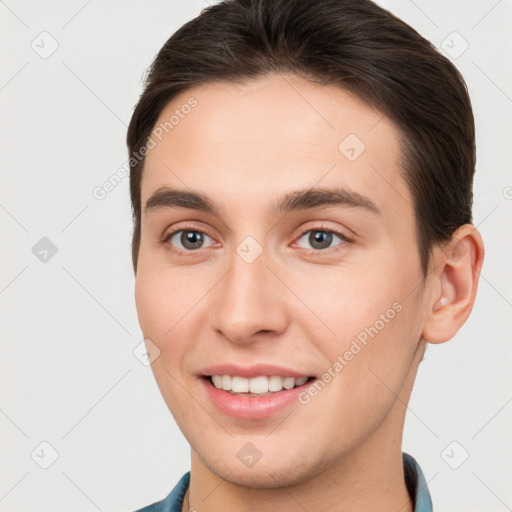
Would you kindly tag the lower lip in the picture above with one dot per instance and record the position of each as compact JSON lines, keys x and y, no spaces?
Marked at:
{"x":252,"y":408}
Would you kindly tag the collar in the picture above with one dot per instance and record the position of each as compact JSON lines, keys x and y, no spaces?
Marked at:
{"x":416,"y":484}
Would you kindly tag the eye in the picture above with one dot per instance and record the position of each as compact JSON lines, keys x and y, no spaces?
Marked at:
{"x":321,"y":239}
{"x":189,"y":239}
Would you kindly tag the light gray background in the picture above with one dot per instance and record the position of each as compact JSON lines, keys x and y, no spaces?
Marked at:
{"x":69,"y":326}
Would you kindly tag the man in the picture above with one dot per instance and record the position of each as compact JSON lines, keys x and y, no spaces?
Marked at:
{"x":301,"y":183}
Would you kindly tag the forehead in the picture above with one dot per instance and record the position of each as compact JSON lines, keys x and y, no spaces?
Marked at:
{"x":274,"y":134}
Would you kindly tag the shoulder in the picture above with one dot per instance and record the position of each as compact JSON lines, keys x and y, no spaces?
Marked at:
{"x":173,"y":502}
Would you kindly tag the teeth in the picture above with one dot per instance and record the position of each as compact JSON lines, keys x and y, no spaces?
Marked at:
{"x":288,"y":382}
{"x":226,"y":382}
{"x":256,"y":385}
{"x":275,"y":383}
{"x":239,"y":385}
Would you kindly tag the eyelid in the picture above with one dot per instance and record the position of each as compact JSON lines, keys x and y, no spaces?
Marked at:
{"x":321,"y":226}
{"x":188,"y":226}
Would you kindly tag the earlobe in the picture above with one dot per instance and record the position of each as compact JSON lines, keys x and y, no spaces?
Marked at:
{"x":454,"y":283}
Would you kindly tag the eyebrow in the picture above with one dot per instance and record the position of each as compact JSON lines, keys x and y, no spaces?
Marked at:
{"x":166,"y":197}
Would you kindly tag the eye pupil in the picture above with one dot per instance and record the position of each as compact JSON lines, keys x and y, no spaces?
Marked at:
{"x":320,"y":239}
{"x":191,"y":239}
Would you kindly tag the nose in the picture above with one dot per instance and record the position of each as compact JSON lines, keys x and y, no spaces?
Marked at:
{"x":248,"y":302}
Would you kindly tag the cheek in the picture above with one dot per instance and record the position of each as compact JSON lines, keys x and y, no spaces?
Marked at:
{"x":160,"y":306}
{"x":373,"y":322}
{"x":168,"y":303}
{"x":145,"y":302}
{"x":345,"y":300}
{"x":156,"y":299}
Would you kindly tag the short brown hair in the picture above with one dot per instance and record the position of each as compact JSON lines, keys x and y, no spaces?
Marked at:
{"x":351,"y":43}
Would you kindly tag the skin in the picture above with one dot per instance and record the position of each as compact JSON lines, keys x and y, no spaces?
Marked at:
{"x":244,"y":146}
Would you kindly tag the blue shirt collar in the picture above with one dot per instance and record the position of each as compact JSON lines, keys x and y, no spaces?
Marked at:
{"x":414,"y":481}
{"x":416,"y":484}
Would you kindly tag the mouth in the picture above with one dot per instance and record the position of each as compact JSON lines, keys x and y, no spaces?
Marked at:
{"x":259,"y":386}
{"x":253,"y":392}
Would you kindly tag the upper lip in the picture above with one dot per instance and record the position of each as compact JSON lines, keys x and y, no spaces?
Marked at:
{"x":251,"y":371}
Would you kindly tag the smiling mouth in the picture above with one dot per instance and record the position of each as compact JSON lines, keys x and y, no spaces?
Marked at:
{"x":257,"y":386}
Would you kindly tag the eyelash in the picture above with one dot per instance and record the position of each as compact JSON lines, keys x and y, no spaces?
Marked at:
{"x":344,"y":238}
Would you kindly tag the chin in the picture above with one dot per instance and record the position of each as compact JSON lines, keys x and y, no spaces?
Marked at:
{"x":268,"y":473}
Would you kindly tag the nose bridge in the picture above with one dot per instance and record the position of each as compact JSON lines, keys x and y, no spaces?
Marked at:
{"x":247,"y":299}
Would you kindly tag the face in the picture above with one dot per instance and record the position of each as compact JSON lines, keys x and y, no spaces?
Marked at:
{"x":278,"y":240}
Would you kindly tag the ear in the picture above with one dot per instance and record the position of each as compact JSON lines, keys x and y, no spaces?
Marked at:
{"x":453,"y":283}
